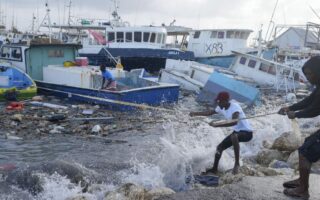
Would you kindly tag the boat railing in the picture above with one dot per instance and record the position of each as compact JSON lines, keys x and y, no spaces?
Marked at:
{"x":109,"y":55}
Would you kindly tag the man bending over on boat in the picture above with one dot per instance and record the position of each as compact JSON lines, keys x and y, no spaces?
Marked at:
{"x":242,"y":131}
{"x":108,"y":81}
{"x":309,"y":152}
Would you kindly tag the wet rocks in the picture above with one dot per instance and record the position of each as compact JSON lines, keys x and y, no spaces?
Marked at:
{"x":57,"y":130}
{"x":131,"y":191}
{"x":128,"y":191}
{"x":266,"y":156}
{"x":17,"y":117}
{"x":277,"y":164}
{"x":293,"y":160}
{"x":77,"y":198}
{"x":288,"y":141}
{"x":158,"y":192}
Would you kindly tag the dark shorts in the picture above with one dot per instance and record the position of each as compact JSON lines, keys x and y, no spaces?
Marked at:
{"x":243,"y":136}
{"x":310,"y":149}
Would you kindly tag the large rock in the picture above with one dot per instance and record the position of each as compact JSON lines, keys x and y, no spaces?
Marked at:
{"x":266,"y":156}
{"x":293,"y":160}
{"x":77,"y":198}
{"x":17,"y":117}
{"x":278,"y":164}
{"x":130,"y":191}
{"x":288,"y":141}
{"x":158,"y":192}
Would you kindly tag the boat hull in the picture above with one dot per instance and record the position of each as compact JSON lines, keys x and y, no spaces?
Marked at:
{"x":15,"y":84}
{"x":150,"y":59}
{"x":220,"y":61}
{"x":115,"y":100}
{"x":22,"y":94}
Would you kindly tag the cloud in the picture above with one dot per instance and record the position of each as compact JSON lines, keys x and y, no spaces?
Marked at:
{"x":192,"y":13}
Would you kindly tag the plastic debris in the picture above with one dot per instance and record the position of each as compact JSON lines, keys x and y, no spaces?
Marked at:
{"x":49,"y":105}
{"x":87,"y":112}
{"x":96,"y":129}
{"x":15,"y":106}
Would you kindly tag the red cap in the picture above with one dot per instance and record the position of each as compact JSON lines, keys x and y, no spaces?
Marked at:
{"x":223,"y":96}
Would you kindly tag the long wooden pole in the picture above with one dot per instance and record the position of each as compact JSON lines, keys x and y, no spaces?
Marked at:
{"x":222,"y":122}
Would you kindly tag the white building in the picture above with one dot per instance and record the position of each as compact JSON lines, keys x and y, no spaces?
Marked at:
{"x":295,"y":39}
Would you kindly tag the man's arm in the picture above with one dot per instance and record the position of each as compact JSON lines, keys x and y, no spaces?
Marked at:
{"x":305,"y":102}
{"x":234,"y":121}
{"x":311,"y":110}
{"x":103,"y":81}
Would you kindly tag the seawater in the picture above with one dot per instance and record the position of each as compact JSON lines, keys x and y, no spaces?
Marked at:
{"x":162,"y":156}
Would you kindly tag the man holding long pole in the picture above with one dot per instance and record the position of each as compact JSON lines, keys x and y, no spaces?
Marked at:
{"x":242,"y":131}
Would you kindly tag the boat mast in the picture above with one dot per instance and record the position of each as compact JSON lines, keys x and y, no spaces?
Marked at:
{"x":260,"y":42}
{"x":69,"y":13}
{"x":2,"y":18}
{"x":271,"y":22}
{"x":33,"y":22}
{"x":47,"y":18}
{"x":116,"y":18}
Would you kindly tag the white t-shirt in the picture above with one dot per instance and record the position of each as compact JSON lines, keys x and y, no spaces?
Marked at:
{"x":242,"y":125}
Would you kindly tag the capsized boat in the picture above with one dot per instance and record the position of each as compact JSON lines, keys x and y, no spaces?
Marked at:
{"x":15,"y":84}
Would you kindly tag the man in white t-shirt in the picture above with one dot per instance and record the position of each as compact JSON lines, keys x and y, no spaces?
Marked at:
{"x":242,"y":131}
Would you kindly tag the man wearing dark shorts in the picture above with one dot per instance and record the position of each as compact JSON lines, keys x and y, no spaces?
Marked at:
{"x":242,"y":131}
{"x":309,"y":152}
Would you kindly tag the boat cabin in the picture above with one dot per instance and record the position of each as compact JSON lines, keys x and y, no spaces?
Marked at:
{"x":266,"y":72}
{"x":217,"y":42}
{"x":32,"y":58}
{"x":128,"y":37}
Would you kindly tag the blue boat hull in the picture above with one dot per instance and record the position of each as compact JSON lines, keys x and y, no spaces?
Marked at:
{"x":220,"y":61}
{"x":115,"y":100}
{"x":150,"y":59}
{"x":238,"y":90}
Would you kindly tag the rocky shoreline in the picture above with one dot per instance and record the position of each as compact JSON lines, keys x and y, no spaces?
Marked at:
{"x":249,"y":188}
{"x":260,"y":176}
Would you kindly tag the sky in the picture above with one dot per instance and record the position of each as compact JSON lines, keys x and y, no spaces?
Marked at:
{"x":197,"y":14}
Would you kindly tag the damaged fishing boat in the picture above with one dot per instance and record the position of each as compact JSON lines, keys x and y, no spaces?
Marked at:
{"x":267,"y":73}
{"x":49,"y":65}
{"x":15,"y":84}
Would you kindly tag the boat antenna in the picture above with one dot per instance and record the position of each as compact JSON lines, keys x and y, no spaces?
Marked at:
{"x":271,"y":22}
{"x":47,"y":18}
{"x":69,"y":13}
{"x":33,"y":22}
{"x":115,"y":15}
{"x":2,"y":21}
{"x":260,"y":42}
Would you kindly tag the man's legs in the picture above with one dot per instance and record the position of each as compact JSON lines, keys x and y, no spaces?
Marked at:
{"x":225,"y":144}
{"x":309,"y":152}
{"x":216,"y":161}
{"x":236,"y":148}
{"x":231,"y":140}
{"x":302,"y":189}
